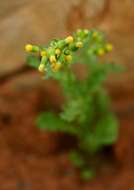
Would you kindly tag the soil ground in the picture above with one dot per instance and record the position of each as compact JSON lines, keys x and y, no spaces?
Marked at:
{"x":32,"y":159}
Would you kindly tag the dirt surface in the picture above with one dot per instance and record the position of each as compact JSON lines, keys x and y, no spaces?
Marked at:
{"x":32,"y":159}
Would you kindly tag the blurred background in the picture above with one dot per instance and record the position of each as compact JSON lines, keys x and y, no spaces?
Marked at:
{"x":26,"y":154}
{"x":39,"y":21}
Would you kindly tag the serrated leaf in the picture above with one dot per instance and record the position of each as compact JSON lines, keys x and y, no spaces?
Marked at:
{"x":105,"y":133}
{"x":106,"y":130}
{"x":50,"y":122}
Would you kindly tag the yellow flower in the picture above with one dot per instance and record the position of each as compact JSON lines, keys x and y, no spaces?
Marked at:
{"x":86,"y":31}
{"x":57,"y":51}
{"x":95,"y":34}
{"x":41,"y":68}
{"x":43,"y":53}
{"x":28,"y":48}
{"x":101,"y":52}
{"x":68,"y":58}
{"x":109,"y":47}
{"x":79,"y":44}
{"x":52,"y":58}
{"x":69,"y":39}
{"x":56,"y":66}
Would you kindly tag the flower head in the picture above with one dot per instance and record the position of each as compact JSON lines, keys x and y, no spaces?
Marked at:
{"x":109,"y":47}
{"x":101,"y":52}
{"x":41,"y":68}
{"x":52,"y":59}
{"x":59,"y":52}
{"x":28,"y":48}
{"x":69,"y":40}
{"x":79,"y":44}
{"x":56,"y":66}
{"x":43,"y":53}
{"x":68,"y":58}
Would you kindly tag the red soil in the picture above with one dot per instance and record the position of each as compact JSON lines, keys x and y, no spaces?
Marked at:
{"x":32,"y":159}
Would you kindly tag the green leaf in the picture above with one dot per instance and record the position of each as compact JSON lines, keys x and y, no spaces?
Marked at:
{"x":90,"y":144}
{"x":105,"y":133}
{"x":76,"y":159}
{"x":72,"y":110}
{"x":87,"y":174}
{"x":116,"y":67}
{"x":50,"y":122}
{"x":33,"y":61}
{"x":102,"y":101}
{"x":106,"y":130}
{"x":95,"y":80}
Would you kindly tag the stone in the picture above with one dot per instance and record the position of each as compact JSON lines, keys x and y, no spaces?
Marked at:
{"x":39,"y":21}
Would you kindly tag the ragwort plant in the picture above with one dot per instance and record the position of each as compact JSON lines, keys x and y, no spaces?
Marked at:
{"x":86,"y":113}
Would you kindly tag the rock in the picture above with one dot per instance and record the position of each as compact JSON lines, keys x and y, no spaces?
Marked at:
{"x":40,"y":21}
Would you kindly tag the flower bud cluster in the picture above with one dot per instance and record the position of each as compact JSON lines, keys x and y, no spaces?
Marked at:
{"x":60,"y":52}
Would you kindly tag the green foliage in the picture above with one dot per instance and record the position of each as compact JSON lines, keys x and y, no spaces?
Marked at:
{"x":33,"y":61}
{"x":77,"y":159}
{"x":87,"y":174}
{"x":49,"y":121}
{"x":86,"y":112}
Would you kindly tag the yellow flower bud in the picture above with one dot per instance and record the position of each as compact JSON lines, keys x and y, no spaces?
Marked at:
{"x":57,"y":51}
{"x":68,"y":58}
{"x":52,"y":58}
{"x":109,"y":47}
{"x":53,"y":64}
{"x":86,"y":31}
{"x":43,"y":53}
{"x":101,"y":52}
{"x":95,"y":34}
{"x":41,"y":68}
{"x":69,"y":39}
{"x":28,"y":48}
{"x":79,"y":44}
{"x":56,"y":66}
